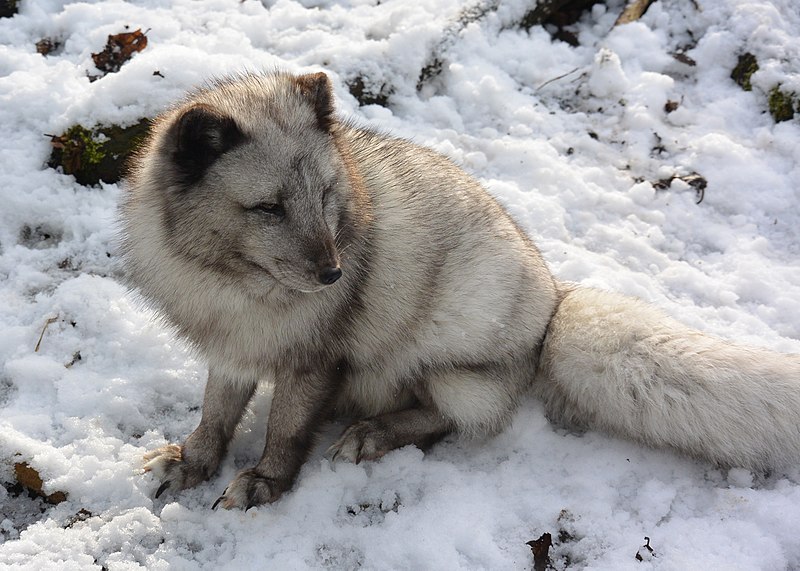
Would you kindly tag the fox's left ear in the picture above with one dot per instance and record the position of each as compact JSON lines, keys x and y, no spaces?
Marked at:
{"x":317,"y":88}
{"x":199,"y":137}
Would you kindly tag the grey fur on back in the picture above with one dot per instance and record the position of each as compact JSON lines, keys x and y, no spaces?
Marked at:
{"x":368,"y":276}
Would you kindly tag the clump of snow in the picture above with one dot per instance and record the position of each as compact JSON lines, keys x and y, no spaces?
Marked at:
{"x":607,"y":78}
{"x":571,"y":140}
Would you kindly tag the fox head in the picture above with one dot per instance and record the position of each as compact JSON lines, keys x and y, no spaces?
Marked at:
{"x":252,"y":181}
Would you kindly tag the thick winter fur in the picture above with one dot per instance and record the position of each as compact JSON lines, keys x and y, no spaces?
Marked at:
{"x":618,"y":364}
{"x":367,"y":276}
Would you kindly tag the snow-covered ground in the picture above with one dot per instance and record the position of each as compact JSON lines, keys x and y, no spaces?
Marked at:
{"x":571,"y":139}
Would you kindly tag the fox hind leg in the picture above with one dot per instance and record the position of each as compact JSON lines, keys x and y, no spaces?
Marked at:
{"x":371,"y":438}
{"x":474,"y":401}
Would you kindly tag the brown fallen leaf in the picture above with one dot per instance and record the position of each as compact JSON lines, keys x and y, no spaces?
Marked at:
{"x":47,"y":46}
{"x":119,"y":49}
{"x":30,"y":479}
{"x":541,"y":551}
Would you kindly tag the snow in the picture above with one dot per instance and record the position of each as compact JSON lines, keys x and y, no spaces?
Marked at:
{"x":571,"y":140}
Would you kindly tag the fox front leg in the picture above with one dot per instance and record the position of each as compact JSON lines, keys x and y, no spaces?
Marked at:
{"x":299,"y":406}
{"x":183,"y":466}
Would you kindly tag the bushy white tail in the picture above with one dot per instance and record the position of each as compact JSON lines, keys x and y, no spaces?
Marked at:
{"x":615,"y":363}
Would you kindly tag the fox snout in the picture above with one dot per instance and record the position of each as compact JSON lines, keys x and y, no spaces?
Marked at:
{"x":325,"y":262}
{"x":330,"y":274}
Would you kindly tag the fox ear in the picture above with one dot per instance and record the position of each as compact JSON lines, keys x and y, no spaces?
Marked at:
{"x":200,"y":136}
{"x":317,"y":88}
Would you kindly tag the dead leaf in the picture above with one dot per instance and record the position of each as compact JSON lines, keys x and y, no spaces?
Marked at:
{"x":541,"y":551}
{"x":29,"y":478}
{"x":47,"y":46}
{"x":119,"y":49}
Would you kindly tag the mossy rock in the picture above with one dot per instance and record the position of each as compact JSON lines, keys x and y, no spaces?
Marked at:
{"x":782,"y":105}
{"x":744,"y":70}
{"x":559,"y":13}
{"x":97,"y":154}
{"x":368,"y":94}
{"x":8,"y":8}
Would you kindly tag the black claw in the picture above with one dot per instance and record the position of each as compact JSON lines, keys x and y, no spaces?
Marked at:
{"x":250,"y":506}
{"x":161,"y":488}
{"x":219,"y":499}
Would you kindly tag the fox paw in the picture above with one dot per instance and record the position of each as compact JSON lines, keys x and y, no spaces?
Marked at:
{"x":360,"y":441}
{"x":249,"y":489}
{"x":176,"y":472}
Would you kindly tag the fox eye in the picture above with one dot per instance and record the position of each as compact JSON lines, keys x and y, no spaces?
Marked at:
{"x":271,"y":208}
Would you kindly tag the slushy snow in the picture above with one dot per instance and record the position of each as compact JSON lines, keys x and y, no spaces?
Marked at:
{"x":572,"y":140}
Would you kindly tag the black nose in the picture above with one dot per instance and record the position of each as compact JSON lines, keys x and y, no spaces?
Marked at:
{"x":329,"y":275}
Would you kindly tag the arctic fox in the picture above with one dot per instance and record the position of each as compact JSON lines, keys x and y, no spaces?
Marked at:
{"x":369,"y":277}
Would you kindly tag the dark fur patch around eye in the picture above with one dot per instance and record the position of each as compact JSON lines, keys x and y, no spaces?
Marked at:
{"x":200,"y":137}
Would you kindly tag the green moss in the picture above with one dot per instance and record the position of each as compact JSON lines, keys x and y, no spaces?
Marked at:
{"x":96,"y":154}
{"x":81,"y":140}
{"x":745,"y":68}
{"x":782,"y":105}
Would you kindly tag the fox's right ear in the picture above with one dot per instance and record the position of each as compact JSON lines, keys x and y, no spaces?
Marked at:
{"x":199,"y":137}
{"x":319,"y":91}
